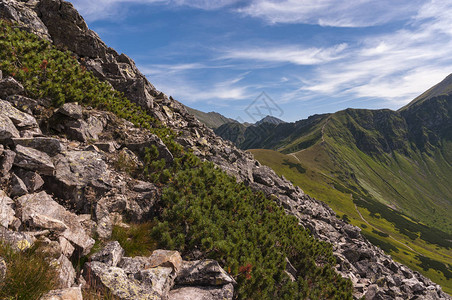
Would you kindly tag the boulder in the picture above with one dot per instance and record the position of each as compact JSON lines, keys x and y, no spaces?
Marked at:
{"x":49,"y":145}
{"x":9,"y":86}
{"x":104,"y":228}
{"x":18,"y":187}
{"x":75,"y":172}
{"x":23,"y":103}
{"x":73,"y":293}
{"x":110,"y":255}
{"x":71,"y":110}
{"x":18,"y":241}
{"x":132,"y":265}
{"x":68,"y":29}
{"x":65,"y":272}
{"x":203,"y":272}
{"x":7,"y":129}
{"x":25,"y":17}
{"x":108,"y":147}
{"x":70,"y":121}
{"x":139,"y":143}
{"x":34,"y":160}
{"x":160,"y":279}
{"x":165,"y":258}
{"x":20,"y":119}
{"x":33,"y":181}
{"x":6,"y":210}
{"x":42,"y":211}
{"x":66,"y":247}
{"x":225,"y":292}
{"x":116,"y":281}
{"x":6,"y":162}
{"x":262,"y":175}
{"x":3,"y":269}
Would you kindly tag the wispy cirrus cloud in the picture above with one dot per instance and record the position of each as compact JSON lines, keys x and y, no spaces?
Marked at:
{"x":337,"y":13}
{"x":288,"y":54}
{"x":107,"y":9}
{"x":396,"y":66}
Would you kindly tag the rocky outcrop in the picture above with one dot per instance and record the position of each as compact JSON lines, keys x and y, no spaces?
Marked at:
{"x":83,"y":179}
{"x":74,"y":293}
{"x":153,"y":277}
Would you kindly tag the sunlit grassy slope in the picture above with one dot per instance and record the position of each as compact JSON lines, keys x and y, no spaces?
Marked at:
{"x":388,"y":172}
{"x":407,"y":240}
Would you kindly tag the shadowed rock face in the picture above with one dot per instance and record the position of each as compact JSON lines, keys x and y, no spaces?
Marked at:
{"x":80,"y":177}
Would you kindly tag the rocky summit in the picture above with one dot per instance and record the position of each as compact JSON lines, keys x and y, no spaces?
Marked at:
{"x":68,"y":183}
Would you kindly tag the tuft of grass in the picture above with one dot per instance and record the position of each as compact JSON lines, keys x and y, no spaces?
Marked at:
{"x":28,"y":275}
{"x":136,"y":239}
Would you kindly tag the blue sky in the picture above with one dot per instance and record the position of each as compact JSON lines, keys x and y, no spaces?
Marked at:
{"x":308,"y":56}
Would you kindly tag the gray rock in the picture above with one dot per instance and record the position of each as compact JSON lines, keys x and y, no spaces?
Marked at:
{"x":352,"y":231}
{"x":66,"y":247}
{"x":3,"y":269}
{"x":23,"y":103}
{"x":49,"y":145}
{"x":75,"y":171}
{"x":132,"y":265}
{"x":33,"y":181}
{"x":165,"y":258}
{"x":34,"y":160}
{"x":139,"y":144}
{"x":6,"y":210}
{"x":261,"y":175}
{"x":203,"y":272}
{"x":65,"y":271}
{"x":24,"y":15}
{"x":70,"y":121}
{"x":18,"y":241}
{"x":71,"y":30}
{"x":110,"y":255}
{"x":160,"y":279}
{"x":6,"y":162}
{"x":108,"y":147}
{"x":225,"y":292}
{"x":9,"y":86}
{"x":18,"y":187}
{"x":104,"y":228}
{"x":115,"y":280}
{"x":71,"y":110}
{"x":40,"y":209}
{"x":73,"y":293}
{"x":20,"y":119}
{"x":7,"y":129}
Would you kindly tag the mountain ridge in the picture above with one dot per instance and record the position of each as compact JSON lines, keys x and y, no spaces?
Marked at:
{"x":357,"y":259}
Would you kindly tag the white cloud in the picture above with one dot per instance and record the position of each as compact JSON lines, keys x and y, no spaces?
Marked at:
{"x":338,"y":13}
{"x":395,"y":67}
{"x":288,"y":54}
{"x":93,"y":10}
{"x":176,"y":82}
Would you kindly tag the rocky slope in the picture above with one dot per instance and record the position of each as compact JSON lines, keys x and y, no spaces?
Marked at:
{"x":72,"y":168}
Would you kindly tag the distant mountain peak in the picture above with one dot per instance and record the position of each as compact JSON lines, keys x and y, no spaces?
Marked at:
{"x":442,"y":88}
{"x":271,"y":120}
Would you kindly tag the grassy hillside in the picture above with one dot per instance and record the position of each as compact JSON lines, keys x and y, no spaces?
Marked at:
{"x":211,"y":119}
{"x":388,"y":172}
{"x":408,"y":241}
